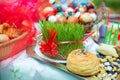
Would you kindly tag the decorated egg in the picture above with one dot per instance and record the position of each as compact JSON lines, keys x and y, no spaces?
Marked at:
{"x":85,"y":8}
{"x":69,"y":11}
{"x":59,"y":14}
{"x":77,"y":14}
{"x":48,"y":11}
{"x":62,"y":19}
{"x":52,"y":18}
{"x":72,"y":19}
{"x":91,"y":11}
{"x":94,"y":16}
{"x":76,"y":9}
{"x":89,"y":5}
{"x":69,"y":2}
{"x":75,"y":3}
{"x":64,"y":7}
{"x":81,"y":9}
{"x":51,"y":1}
{"x":63,"y":1}
{"x":59,"y":8}
{"x":86,"y":18}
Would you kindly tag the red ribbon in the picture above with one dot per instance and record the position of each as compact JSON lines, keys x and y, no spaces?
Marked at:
{"x":49,"y":46}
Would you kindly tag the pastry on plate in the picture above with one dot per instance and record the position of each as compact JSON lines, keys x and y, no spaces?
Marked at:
{"x":3,"y":38}
{"x":83,"y":62}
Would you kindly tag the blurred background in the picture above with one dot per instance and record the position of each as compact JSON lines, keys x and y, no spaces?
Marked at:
{"x":114,"y":5}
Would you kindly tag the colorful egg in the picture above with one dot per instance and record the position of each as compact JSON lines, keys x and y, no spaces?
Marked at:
{"x":51,"y":1}
{"x":76,"y":9}
{"x":59,"y":8}
{"x":85,"y":8}
{"x":94,"y":16}
{"x":63,"y":1}
{"x":89,"y":5}
{"x":59,"y":14}
{"x":86,"y":18}
{"x":91,"y":11}
{"x":62,"y":19}
{"x":69,"y":11}
{"x":77,"y":14}
{"x":48,"y":11}
{"x":52,"y":18}
{"x":72,"y":19}
{"x":81,"y":10}
{"x":74,"y":3}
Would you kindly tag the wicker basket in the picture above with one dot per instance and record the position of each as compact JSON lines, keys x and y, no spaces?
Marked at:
{"x":7,"y":47}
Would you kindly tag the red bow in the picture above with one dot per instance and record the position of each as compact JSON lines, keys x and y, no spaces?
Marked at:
{"x":49,"y":46}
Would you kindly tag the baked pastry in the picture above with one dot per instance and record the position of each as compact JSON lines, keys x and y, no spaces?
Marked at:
{"x":107,"y":50}
{"x":12,"y":32}
{"x":92,"y":78}
{"x":1,"y":28}
{"x":83,"y":62}
{"x":3,"y":38}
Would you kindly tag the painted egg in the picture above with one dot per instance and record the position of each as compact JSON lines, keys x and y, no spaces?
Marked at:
{"x":69,"y":11}
{"x":81,"y":10}
{"x":77,"y":14}
{"x":64,"y":6}
{"x":51,"y":1}
{"x":72,"y":19}
{"x":55,"y":5}
{"x":76,"y":9}
{"x":48,"y":11}
{"x":59,"y":14}
{"x":86,"y":18}
{"x":89,"y":5}
{"x":62,"y":19}
{"x":74,"y":3}
{"x":91,"y":11}
{"x":63,"y":1}
{"x":59,"y":8}
{"x":52,"y":18}
{"x":85,"y":8}
{"x":94,"y":16}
